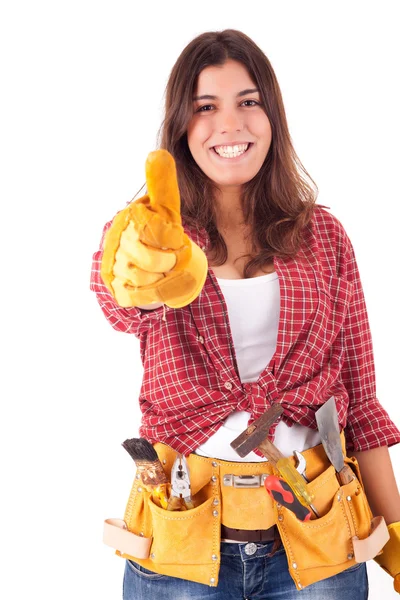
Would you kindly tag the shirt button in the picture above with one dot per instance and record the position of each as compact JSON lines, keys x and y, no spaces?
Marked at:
{"x":228,"y":385}
{"x":201,"y":339}
{"x":250,"y":549}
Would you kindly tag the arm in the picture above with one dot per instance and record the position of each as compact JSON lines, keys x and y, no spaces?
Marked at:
{"x":380,"y":483}
{"x":369,"y":430}
{"x":368,"y":424}
{"x":384,"y":499}
{"x":151,"y":306}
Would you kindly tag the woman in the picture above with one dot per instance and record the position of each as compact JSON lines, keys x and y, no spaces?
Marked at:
{"x":276,"y":314}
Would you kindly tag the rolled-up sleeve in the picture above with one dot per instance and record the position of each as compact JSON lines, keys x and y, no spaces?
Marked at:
{"x":368,"y":424}
{"x":127,"y":320}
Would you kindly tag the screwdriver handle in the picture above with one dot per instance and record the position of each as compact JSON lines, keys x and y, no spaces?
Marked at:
{"x":283,"y":494}
{"x":295,"y":480}
{"x":287,"y":471}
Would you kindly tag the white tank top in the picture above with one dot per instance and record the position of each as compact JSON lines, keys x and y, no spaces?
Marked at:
{"x":253,"y":309}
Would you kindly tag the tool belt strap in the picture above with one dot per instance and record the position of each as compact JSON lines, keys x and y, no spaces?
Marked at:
{"x":369,"y":547}
{"x":116,"y":535}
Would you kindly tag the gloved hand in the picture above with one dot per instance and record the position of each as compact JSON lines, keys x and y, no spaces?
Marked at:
{"x":147,"y":257}
{"x":389,"y":559}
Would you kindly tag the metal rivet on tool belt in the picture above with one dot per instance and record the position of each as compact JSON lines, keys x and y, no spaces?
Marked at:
{"x":152,"y":555}
{"x":215,"y":513}
{"x":212,"y":580}
{"x":141,"y":534}
{"x":214,"y":464}
{"x":164,"y":461}
{"x":278,"y":505}
{"x":350,"y":556}
{"x":300,"y":586}
{"x":214,"y":478}
{"x":348,"y":498}
{"x":216,"y":501}
{"x":138,"y":476}
{"x":139,"y":489}
{"x":214,"y":557}
{"x":280,"y":518}
{"x":294,"y":565}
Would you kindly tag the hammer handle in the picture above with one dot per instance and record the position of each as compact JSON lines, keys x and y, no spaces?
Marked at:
{"x":287,"y":471}
{"x":270,"y":451}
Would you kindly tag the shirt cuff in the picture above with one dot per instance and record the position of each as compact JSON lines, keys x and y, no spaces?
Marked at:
{"x":369,"y":426}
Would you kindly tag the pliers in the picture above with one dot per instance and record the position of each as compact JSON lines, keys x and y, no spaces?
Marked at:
{"x":180,"y":485}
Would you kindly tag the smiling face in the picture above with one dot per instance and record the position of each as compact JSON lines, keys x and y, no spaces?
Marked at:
{"x":229,"y":134}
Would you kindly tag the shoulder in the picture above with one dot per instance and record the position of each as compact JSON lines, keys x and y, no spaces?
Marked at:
{"x":328,"y":228}
{"x":323,"y":219}
{"x":327,"y":241}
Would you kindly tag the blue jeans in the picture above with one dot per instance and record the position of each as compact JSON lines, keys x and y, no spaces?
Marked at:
{"x":245,"y":576}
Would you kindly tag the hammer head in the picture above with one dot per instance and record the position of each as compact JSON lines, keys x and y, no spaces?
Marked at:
{"x":256,"y":433}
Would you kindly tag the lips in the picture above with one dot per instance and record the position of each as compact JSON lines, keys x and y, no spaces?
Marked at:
{"x":231,"y":144}
{"x":234,"y":158}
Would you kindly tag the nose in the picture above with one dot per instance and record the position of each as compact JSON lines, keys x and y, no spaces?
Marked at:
{"x":229,"y":120}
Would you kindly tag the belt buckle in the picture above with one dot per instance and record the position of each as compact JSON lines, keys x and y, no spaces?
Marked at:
{"x":245,"y":481}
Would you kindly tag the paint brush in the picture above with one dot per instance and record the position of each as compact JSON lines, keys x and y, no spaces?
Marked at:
{"x":149,"y":466}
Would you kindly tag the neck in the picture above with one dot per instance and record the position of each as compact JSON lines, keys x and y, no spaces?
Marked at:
{"x":229,"y":210}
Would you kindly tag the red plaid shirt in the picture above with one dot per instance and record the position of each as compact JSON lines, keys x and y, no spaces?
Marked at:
{"x":191,"y":381}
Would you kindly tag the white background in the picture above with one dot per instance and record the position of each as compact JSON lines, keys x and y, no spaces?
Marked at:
{"x":82,"y":92}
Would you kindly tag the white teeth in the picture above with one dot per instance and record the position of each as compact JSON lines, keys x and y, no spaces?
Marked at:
{"x":231,"y":151}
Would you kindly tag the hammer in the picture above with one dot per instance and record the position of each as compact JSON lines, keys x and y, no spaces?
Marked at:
{"x":256,"y":436}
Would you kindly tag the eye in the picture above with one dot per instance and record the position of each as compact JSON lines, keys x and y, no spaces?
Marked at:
{"x":201,"y":109}
{"x":255,"y":102}
{"x":207,"y":107}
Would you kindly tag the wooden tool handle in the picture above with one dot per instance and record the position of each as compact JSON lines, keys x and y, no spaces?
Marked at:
{"x":270,"y":451}
{"x":346,"y":475}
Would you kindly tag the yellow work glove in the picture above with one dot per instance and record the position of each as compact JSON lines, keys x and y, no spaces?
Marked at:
{"x":389,"y":559}
{"x":147,"y":257}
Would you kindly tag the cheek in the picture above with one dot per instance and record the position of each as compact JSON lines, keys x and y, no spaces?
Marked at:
{"x":198,"y":133}
{"x":262,"y":128}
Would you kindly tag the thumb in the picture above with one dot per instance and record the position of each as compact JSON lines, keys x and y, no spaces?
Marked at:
{"x":162,"y":182}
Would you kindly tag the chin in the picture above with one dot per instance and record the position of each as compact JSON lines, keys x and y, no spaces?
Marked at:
{"x":234,"y":180}
{"x":231,"y":182}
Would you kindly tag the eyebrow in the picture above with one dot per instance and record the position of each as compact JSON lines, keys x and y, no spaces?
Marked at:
{"x":242,"y":93}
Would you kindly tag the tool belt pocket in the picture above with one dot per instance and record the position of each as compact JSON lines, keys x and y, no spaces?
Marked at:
{"x":342,"y":536}
{"x":181,"y":543}
{"x":184,"y":537}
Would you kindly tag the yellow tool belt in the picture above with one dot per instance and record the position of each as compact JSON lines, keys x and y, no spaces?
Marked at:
{"x":186,"y":544}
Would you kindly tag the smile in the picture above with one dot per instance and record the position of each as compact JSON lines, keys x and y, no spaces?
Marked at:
{"x":231,"y":152}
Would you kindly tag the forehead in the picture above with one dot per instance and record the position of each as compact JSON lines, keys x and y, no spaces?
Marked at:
{"x":231,"y":76}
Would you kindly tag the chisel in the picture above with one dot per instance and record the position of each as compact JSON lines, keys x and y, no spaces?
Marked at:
{"x":328,"y":427}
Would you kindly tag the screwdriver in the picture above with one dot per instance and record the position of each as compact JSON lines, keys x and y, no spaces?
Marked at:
{"x":287,"y":471}
{"x":282,"y":493}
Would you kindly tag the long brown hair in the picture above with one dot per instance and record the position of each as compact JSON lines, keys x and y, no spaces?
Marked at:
{"x":278,"y":202}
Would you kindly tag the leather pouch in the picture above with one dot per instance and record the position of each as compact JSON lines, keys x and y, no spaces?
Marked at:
{"x":184,"y":544}
{"x":244,"y":507}
{"x":344,"y":534}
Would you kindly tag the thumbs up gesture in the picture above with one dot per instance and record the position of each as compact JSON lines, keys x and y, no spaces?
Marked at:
{"x":147,"y":256}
